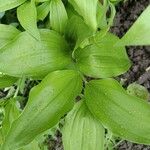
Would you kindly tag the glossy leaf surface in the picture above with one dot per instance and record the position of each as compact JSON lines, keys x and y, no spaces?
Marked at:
{"x":102,"y":59}
{"x":48,"y":102}
{"x":25,"y":56}
{"x":81,"y":130}
{"x":125,"y":115}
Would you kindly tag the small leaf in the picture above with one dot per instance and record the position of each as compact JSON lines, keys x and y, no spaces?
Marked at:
{"x":35,"y":58}
{"x":6,"y":81}
{"x":139,"y":33}
{"x":102,"y":59}
{"x":82,"y":131}
{"x":7,"y":33}
{"x":125,"y":115}
{"x":9,"y":4}
{"x":48,"y":102}
{"x":42,"y":11}
{"x":138,"y":90}
{"x":87,"y":9}
{"x":11,"y":113}
{"x":27,"y":16}
{"x":58,"y":16}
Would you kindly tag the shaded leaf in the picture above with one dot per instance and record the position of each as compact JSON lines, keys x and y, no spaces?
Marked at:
{"x":48,"y":102}
{"x":43,"y":10}
{"x":81,"y":130}
{"x":125,"y":115}
{"x":6,"y":81}
{"x":9,"y":4}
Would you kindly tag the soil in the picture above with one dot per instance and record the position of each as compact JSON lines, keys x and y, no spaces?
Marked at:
{"x":127,"y":13}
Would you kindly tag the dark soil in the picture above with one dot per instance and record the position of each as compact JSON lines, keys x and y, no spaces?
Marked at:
{"x":127,"y":13}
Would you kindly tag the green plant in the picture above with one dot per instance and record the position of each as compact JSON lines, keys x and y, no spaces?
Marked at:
{"x":74,"y":44}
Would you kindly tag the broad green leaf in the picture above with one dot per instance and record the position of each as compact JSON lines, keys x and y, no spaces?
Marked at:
{"x":139,"y":33}
{"x":11,"y":113}
{"x":125,"y":115}
{"x":48,"y":102}
{"x":40,"y":1}
{"x":82,"y":131}
{"x":6,"y":81}
{"x":43,"y":10}
{"x":58,"y":16}
{"x":87,"y":9}
{"x":9,"y":4}
{"x":102,"y":59}
{"x":27,"y":16}
{"x":25,"y":56}
{"x":7,"y":33}
{"x":138,"y":90}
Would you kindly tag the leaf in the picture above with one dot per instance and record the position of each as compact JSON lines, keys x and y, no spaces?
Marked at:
{"x":35,"y":58}
{"x":27,"y":16}
{"x":8,"y":33}
{"x":138,"y":90}
{"x":42,"y":11}
{"x":76,"y":31}
{"x":48,"y":102}
{"x":87,"y":9}
{"x":58,"y":16}
{"x":139,"y":33}
{"x":125,"y":115}
{"x":102,"y":59}
{"x":9,"y":4}
{"x":81,"y":130}
{"x":6,"y":81}
{"x":11,"y":113}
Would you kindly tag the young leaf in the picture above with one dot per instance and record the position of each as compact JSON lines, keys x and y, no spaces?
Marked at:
{"x":125,"y":115}
{"x":7,"y":33}
{"x":58,"y":16}
{"x":27,"y":16}
{"x":35,"y":58}
{"x":6,"y":81}
{"x":42,"y":11}
{"x":87,"y":9}
{"x":138,"y":90}
{"x":82,"y":131}
{"x":48,"y":102}
{"x":139,"y":33}
{"x":102,"y":59}
{"x":11,"y":113}
{"x":9,"y":4}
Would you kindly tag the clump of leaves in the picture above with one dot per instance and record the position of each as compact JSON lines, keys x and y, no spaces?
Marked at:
{"x":75,"y":43}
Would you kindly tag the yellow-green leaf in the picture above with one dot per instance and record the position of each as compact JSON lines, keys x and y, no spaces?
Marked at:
{"x":102,"y":59}
{"x":125,"y":115}
{"x":82,"y":131}
{"x":48,"y":102}
{"x":25,"y":56}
